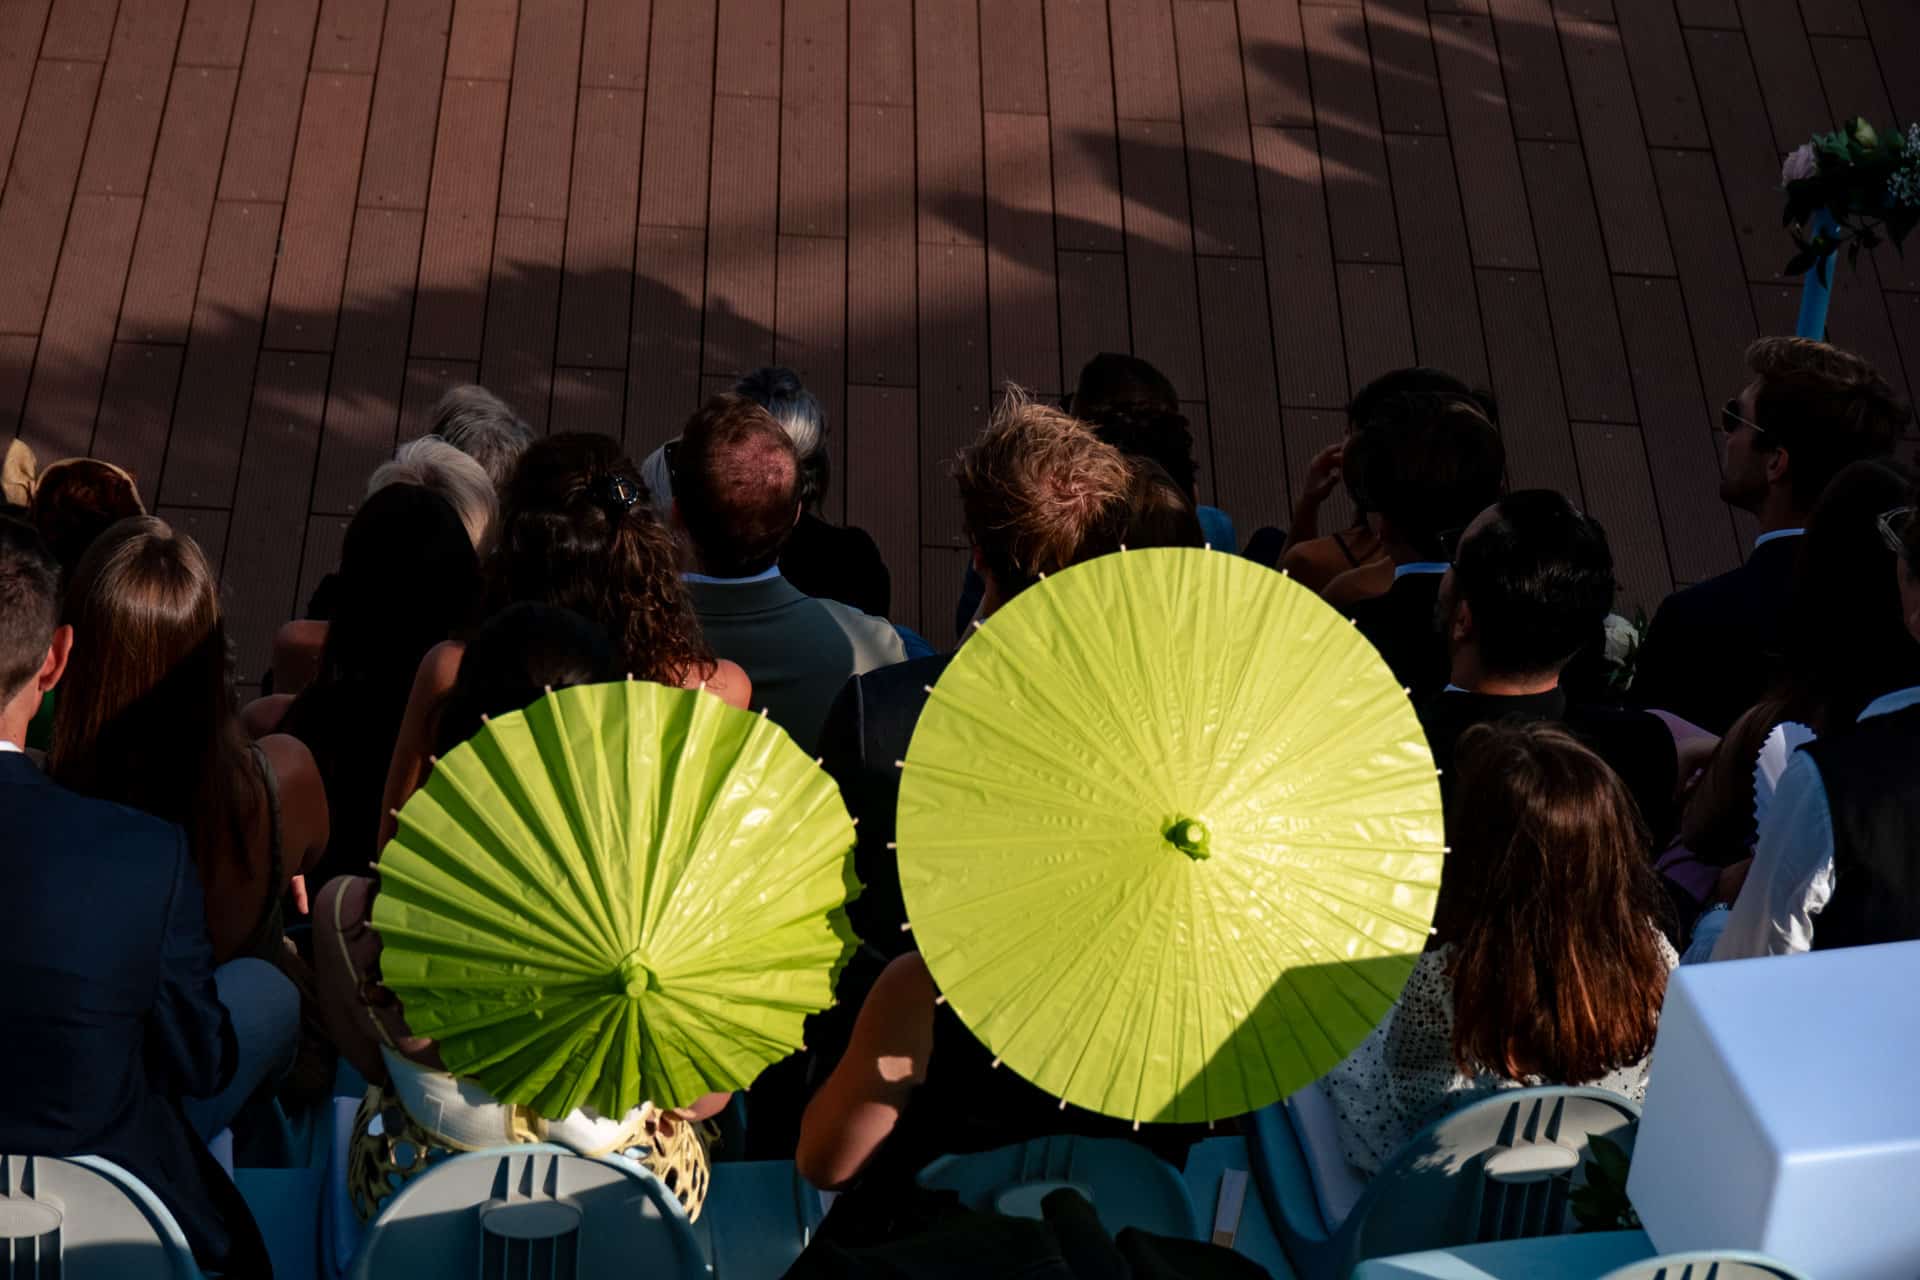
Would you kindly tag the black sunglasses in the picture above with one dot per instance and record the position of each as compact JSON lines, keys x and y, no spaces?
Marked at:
{"x":1731,"y":421}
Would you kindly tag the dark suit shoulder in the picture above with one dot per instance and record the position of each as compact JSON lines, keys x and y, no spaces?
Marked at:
{"x":43,"y":814}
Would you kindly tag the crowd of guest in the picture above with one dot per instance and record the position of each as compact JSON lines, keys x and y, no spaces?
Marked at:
{"x":1739,"y":781}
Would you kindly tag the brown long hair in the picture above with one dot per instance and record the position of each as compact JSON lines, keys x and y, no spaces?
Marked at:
{"x":577,"y":531}
{"x":146,"y":712}
{"x":1549,"y":903}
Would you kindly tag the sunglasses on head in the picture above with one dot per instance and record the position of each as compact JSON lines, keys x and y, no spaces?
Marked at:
{"x":1893,"y":529}
{"x":1731,"y":421}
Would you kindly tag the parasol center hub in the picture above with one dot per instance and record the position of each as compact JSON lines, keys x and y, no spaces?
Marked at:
{"x":1191,"y":837}
{"x":634,"y":977}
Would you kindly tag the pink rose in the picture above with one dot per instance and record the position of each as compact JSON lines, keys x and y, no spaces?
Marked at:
{"x":1799,"y":166}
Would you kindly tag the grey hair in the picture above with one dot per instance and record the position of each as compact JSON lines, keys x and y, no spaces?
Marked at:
{"x":484,"y":427}
{"x":780,"y":392}
{"x":433,"y":464}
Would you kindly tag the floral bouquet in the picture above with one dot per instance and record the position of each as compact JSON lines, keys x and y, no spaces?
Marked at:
{"x":1867,"y":184}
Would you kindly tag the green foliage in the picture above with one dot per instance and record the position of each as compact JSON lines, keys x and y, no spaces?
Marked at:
{"x":1866,"y":181}
{"x":1602,"y":1204}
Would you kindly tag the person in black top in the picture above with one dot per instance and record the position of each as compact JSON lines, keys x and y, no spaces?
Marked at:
{"x":1423,"y":466}
{"x":1810,"y":410}
{"x":1530,"y":585}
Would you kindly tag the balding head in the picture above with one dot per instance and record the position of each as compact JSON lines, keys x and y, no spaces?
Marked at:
{"x":736,"y":483}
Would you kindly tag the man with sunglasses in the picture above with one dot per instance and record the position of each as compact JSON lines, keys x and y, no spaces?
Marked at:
{"x":1810,"y":409}
{"x":1837,"y":841}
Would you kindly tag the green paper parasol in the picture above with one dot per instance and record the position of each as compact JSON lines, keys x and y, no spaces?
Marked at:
{"x":624,"y":892}
{"x":1169,"y":836}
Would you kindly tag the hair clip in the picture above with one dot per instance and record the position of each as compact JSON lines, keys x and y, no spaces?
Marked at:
{"x":616,"y":493}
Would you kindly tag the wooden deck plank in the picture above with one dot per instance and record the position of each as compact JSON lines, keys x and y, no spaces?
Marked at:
{"x":398,"y":165}
{"x":1439,"y":265}
{"x":1309,"y":431}
{"x":136,"y":410}
{"x":16,"y":370}
{"x":748,"y":59}
{"x":1833,"y":17}
{"x":589,"y":400}
{"x":880,"y":248}
{"x":813,"y":120}
{"x":1678,"y":429}
{"x":1022,"y":308}
{"x":76,"y":339}
{"x":810,"y":337}
{"x":40,"y":185}
{"x":1273,"y":50}
{"x":663,"y":356}
{"x":1354,"y":160}
{"x":1743,"y":145}
{"x":426,"y":381}
{"x":133,"y":89}
{"x":1619,"y":494}
{"x":523,"y":303}
{"x":319,"y":555}
{"x":1533,"y":411}
{"x":1013,"y":57}
{"x":158,"y":304}
{"x":1086,"y":173}
{"x":1579,"y":292}
{"x":457,"y":247}
{"x":1721,"y":15}
{"x":1301,"y":288}
{"x":742,"y":248}
{"x":1093,"y":310}
{"x":1623,"y":194}
{"x":1719,"y":308}
{"x":480,"y":40}
{"x":942,"y":571}
{"x":207,"y":526}
{"x":28,"y":19}
{"x":1662,"y":74}
{"x":266,"y":110}
{"x":1226,"y":214}
{"x":955,"y":391}
{"x":318,"y":225}
{"x":540,"y":112}
{"x":1857,"y":320}
{"x":1895,"y":27}
{"x":1850,"y":75}
{"x":79,"y":30}
{"x":216,"y":382}
{"x":1160,"y":280}
{"x":1491,"y":189}
{"x":1408,"y":78}
{"x":1248,"y":447}
{"x":883,"y":445}
{"x":596,"y":300}
{"x":1789,"y":81}
{"x":1536,"y":79}
{"x":369,"y":369}
{"x":673,"y":173}
{"x":269,"y":520}
{"x":1205,"y":468}
{"x":613,"y":50}
{"x":1374,"y":320}
{"x":880,"y":52}
{"x":214,"y":33}
{"x":1146,"y":75}
{"x":348,"y":37}
{"x":947,"y":117}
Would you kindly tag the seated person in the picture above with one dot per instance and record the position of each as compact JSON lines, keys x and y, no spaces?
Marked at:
{"x":1424,"y":466}
{"x":1531,"y":583}
{"x":415,"y":1114}
{"x":1810,"y":410}
{"x":736,"y":487}
{"x":1546,"y":966}
{"x":1836,"y":840}
{"x":114,"y":1020}
{"x":1133,"y":407}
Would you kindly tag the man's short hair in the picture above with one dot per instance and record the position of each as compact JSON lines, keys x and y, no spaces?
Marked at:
{"x":1826,"y":407}
{"x":29,"y":603}
{"x":484,"y":427}
{"x":1113,"y":380}
{"x":1376,"y":398}
{"x":1429,"y":464}
{"x":1163,"y":514}
{"x":437,"y":465}
{"x":736,"y":478}
{"x":1041,"y":492}
{"x":1539,"y":580}
{"x":780,"y":392}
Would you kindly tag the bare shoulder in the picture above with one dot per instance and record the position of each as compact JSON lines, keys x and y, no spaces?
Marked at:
{"x":262,"y":716}
{"x":292,"y":762}
{"x":727,"y":681}
{"x":440,"y":668}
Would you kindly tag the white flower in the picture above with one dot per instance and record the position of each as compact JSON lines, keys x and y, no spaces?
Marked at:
{"x":1799,"y":165}
{"x":1622,"y":639}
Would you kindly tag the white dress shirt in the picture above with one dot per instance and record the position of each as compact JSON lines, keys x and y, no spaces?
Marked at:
{"x":1419,"y":566}
{"x":8,"y":746}
{"x":1775,"y":536}
{"x":1792,"y":875}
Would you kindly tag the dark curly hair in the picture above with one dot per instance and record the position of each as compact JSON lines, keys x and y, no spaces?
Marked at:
{"x":1153,"y":432}
{"x":577,"y":530}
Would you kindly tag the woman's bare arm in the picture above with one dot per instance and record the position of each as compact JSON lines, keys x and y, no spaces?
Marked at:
{"x":414,"y":747}
{"x":859,"y":1106}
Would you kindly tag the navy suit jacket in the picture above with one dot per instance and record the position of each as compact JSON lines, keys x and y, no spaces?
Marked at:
{"x":108,"y":1003}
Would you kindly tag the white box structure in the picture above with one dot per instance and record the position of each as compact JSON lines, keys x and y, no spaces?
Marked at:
{"x":1783,"y":1112}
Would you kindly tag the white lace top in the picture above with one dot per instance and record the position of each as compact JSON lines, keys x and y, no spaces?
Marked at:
{"x":1403,"y":1078}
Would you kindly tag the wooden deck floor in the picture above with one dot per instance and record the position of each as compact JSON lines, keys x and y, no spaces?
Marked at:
{"x":244,"y":245}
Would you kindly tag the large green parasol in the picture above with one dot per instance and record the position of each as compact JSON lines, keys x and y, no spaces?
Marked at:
{"x":1169,"y":836}
{"x":624,"y":892}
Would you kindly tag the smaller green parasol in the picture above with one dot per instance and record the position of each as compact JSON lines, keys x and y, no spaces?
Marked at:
{"x":625,"y":892}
